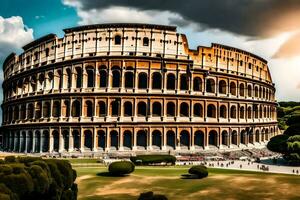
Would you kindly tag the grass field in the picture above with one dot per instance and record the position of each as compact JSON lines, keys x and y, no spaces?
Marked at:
{"x":220,"y":184}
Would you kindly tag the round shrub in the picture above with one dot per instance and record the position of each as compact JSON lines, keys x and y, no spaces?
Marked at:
{"x":120,"y":168}
{"x":199,"y":170}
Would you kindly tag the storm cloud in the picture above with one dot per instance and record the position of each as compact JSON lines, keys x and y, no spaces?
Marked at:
{"x":253,"y":18}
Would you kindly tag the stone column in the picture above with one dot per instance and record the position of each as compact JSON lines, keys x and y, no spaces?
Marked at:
{"x":61,"y":141}
{"x":41,"y":141}
{"x":51,"y":142}
{"x":95,"y":139}
{"x":33,"y":141}
{"x":71,"y":141}
{"x":81,"y":140}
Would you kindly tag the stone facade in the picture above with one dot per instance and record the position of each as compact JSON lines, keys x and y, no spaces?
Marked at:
{"x":134,"y":87}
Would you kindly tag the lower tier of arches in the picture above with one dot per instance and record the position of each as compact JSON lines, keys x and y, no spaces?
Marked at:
{"x":128,"y":138}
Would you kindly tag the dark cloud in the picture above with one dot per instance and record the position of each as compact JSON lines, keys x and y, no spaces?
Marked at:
{"x":290,"y":48}
{"x":255,"y":18}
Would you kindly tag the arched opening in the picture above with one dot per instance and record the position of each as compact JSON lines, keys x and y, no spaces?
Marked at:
{"x":197,"y":84}
{"x":255,"y":110}
{"x":233,"y":112}
{"x":249,"y":113}
{"x":23,"y":141}
{"x":76,"y":108}
{"x":170,"y":109}
{"x":251,"y":141}
{"x":142,"y":82}
{"x":88,"y":140}
{"x":76,"y":138}
{"x":30,"y":111}
{"x":90,"y":76}
{"x":78,"y":77}
{"x":234,"y":139}
{"x":129,"y":79}
{"x":41,"y":80}
{"x":38,"y":110}
{"x":243,"y":137}
{"x":118,"y":40}
{"x":37,"y":142}
{"x":183,"y":82}
{"x":262,"y":135}
{"x":127,"y":140}
{"x":199,"y":139}
{"x":249,"y":91}
{"x":171,"y":139}
{"x":156,"y":109}
{"x":16,"y":113}
{"x":89,"y":108}
{"x":145,"y":41}
{"x":242,"y":112}
{"x":156,"y":139}
{"x":23,"y":111}
{"x":69,"y":78}
{"x":33,"y":83}
{"x":267,"y":135}
{"x":198,"y":110}
{"x":142,"y":139}
{"x":184,"y":139}
{"x":46,"y":110}
{"x":232,"y":88}
{"x":257,"y":136}
{"x":224,"y":138}
{"x":103,"y":78}
{"x":45,"y":141}
{"x":101,"y":139}
{"x":128,"y":108}
{"x":222,"y":87}
{"x":66,"y":108}
{"x":114,"y":140}
{"x":55,"y":136}
{"x":56,"y":109}
{"x":156,"y":80}
{"x":210,"y":85}
{"x":102,"y":109}
{"x":142,"y":110}
{"x":211,"y":111}
{"x":223,"y":111}
{"x":256,"y":91}
{"x":170,"y":82}
{"x":116,"y":82}
{"x":115,"y":108}
{"x":66,"y":140}
{"x":242,"y":90}
{"x":184,"y":109}
{"x":213,"y":138}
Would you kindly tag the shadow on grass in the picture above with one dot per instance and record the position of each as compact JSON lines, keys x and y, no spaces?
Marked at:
{"x":189,"y":176}
{"x":107,"y":174}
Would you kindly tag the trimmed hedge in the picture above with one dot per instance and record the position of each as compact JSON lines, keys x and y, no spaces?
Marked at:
{"x":120,"y":168}
{"x":153,"y":159}
{"x":199,"y":170}
{"x":34,"y":178}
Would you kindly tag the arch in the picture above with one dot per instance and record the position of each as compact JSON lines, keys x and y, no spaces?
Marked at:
{"x":249,"y":87}
{"x":37,"y":142}
{"x":23,"y":141}
{"x":143,"y":80}
{"x":66,"y":108}
{"x":88,"y":109}
{"x":30,"y":111}
{"x":23,"y":111}
{"x":198,"y":110}
{"x":156,"y":109}
{"x":170,"y":109}
{"x":45,"y":141}
{"x":69,"y":78}
{"x":76,"y":108}
{"x":210,"y":85}
{"x":46,"y":110}
{"x":183,"y":82}
{"x":242,"y":89}
{"x":101,"y":139}
{"x":76,"y":140}
{"x":234,"y":138}
{"x":129,"y":79}
{"x":142,"y":109}
{"x":128,"y":108}
{"x":41,"y":80}
{"x":116,"y":78}
{"x":102,"y":109}
{"x":118,"y":40}
{"x":156,"y":80}
{"x":232,"y":87}
{"x":224,"y":137}
{"x":249,"y":112}
{"x":243,"y":137}
{"x":170,"y":81}
{"x":145,"y":41}
{"x":223,"y":111}
{"x":33,"y":83}
{"x":38,"y":110}
{"x":30,"y":141}
{"x":213,"y":138}
{"x":255,"y":110}
{"x":211,"y":111}
{"x":114,"y":108}
{"x":184,"y":109}
{"x":171,"y":139}
{"x":184,"y":139}
{"x":56,"y":109}
{"x":114,"y":140}
{"x":251,"y":137}
{"x":242,"y":112}
{"x":142,"y":139}
{"x":256,"y":91}
{"x":103,"y":78}
{"x":78,"y":77}
{"x":66,"y":136}
{"x":55,"y":136}
{"x":90,"y":76}
{"x":156,"y":139}
{"x":222,"y":87}
{"x":257,"y":136}
{"x":233,"y":112}
{"x":199,"y":139}
{"x":88,"y":140}
{"x":197,"y":84}
{"x":16,"y":113}
{"x":127,"y":139}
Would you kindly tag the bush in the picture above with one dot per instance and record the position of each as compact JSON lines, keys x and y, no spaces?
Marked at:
{"x":10,"y":159}
{"x":294,"y":119}
{"x":199,"y":170}
{"x":153,"y":159}
{"x":120,"y":168}
{"x":278,"y":144}
{"x":293,"y":129}
{"x":151,"y":196}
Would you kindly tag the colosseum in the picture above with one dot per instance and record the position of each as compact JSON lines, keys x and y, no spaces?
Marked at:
{"x":134,"y":87}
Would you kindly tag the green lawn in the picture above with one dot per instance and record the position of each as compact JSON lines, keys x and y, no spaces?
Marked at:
{"x":220,"y":184}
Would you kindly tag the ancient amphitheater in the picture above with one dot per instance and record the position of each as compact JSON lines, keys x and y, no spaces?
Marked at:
{"x":134,"y":87}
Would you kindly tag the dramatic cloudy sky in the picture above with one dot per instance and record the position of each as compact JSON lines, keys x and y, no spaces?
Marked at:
{"x":269,"y":28}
